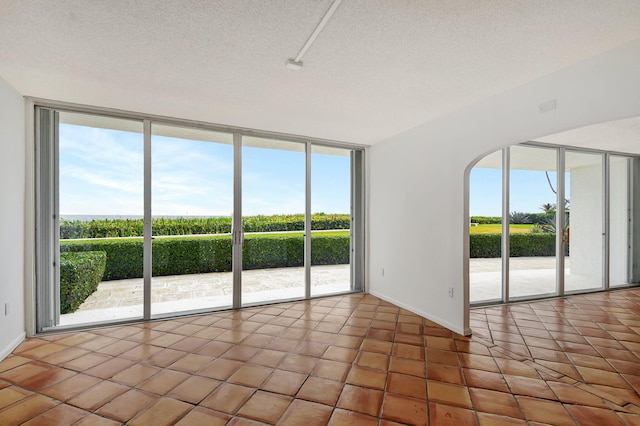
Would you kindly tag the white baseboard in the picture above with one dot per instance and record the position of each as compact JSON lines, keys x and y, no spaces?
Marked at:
{"x":446,"y":324}
{"x":4,"y":352}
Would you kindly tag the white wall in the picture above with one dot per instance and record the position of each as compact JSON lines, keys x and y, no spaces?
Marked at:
{"x":12,"y":212}
{"x":418,"y":181}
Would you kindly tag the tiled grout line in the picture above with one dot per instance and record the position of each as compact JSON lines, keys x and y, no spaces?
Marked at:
{"x":584,"y":386}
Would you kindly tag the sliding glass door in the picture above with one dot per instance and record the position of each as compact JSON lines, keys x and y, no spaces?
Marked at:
{"x":572,"y":222}
{"x":141,"y":219}
{"x":192,"y":207}
{"x":273,"y":219}
{"x":100,"y":202}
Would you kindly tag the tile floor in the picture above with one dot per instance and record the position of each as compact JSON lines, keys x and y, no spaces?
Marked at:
{"x":345,"y":360}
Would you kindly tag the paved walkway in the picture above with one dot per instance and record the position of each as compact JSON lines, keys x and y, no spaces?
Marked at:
{"x":121,"y":299}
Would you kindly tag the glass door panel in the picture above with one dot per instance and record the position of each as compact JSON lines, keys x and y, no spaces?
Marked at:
{"x":485,"y":229}
{"x":273,"y":212}
{"x":584,"y":234}
{"x":192,"y":205}
{"x":330,"y":220}
{"x":101,"y":205}
{"x":532,"y":234}
{"x":620,"y":220}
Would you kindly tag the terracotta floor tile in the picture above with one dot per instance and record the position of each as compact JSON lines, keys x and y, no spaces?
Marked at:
{"x":337,"y":353}
{"x":284,"y":382}
{"x":447,"y":393}
{"x":220,"y":369}
{"x":373,"y":345}
{"x":307,"y":413}
{"x":227,"y":398}
{"x":444,"y":373}
{"x":486,"y":380}
{"x":265,"y":407}
{"x":544,"y":411}
{"x":95,"y":397}
{"x":347,"y":341}
{"x":163,"y":382}
{"x":489,"y":401}
{"x":47,"y":378}
{"x":530,"y":387}
{"x":599,"y":377}
{"x":362,"y":400}
{"x":571,"y":394}
{"x":64,"y":355}
{"x":70,"y":387}
{"x":487,"y":419}
{"x":372,"y":360}
{"x":405,"y":410}
{"x":298,"y":363}
{"x":351,"y":418}
{"x":320,"y":390}
{"x":406,"y":385}
{"x":240,"y":353}
{"x":214,"y":349}
{"x":59,"y":415}
{"x":165,"y":411}
{"x":124,"y":407}
{"x":12,"y":394}
{"x":12,"y":361}
{"x":333,"y":370}
{"x":24,"y":372}
{"x":203,"y":416}
{"x":250,"y":375}
{"x":268,"y":358}
{"x":440,"y":356}
{"x":408,"y":366}
{"x":402,"y":350}
{"x":194,"y":389}
{"x":367,"y":377}
{"x":26,"y":409}
{"x":447,"y":415}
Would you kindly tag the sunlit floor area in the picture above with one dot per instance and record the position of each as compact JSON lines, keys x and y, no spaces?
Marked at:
{"x":122,"y":299}
{"x":342,"y":360}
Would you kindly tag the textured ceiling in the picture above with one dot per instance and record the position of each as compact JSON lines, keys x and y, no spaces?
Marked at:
{"x":378,"y":68}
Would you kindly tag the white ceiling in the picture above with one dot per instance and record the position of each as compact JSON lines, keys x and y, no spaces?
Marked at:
{"x":378,"y":68}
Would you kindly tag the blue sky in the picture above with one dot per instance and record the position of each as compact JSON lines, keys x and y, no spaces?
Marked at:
{"x":529,"y":190}
{"x":101,"y":173}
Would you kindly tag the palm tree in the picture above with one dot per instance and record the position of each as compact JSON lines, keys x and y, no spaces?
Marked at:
{"x":548,"y":208}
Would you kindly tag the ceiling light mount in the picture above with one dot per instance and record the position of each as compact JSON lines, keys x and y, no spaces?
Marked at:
{"x":296,"y":64}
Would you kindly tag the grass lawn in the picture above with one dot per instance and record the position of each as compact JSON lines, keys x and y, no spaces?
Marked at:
{"x":497,"y":229}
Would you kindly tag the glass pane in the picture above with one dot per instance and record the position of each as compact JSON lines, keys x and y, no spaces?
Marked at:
{"x":273,"y":208}
{"x":584,"y":234}
{"x":532,"y":200}
{"x":620,"y":213}
{"x":101,"y":204}
{"x":330,"y":220}
{"x":192,"y":204}
{"x":485,"y":229}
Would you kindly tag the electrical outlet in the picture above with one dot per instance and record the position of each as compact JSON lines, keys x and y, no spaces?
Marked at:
{"x":451,"y":292}
{"x":382,"y":272}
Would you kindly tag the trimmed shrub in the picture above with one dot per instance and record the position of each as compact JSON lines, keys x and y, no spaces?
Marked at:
{"x":486,"y":220}
{"x":113,"y":228}
{"x":201,"y":254}
{"x":520,"y":245}
{"x":80,"y":274}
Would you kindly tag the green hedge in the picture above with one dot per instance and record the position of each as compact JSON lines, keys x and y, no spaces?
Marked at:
{"x":113,"y":228}
{"x":201,"y":254}
{"x":80,"y":274}
{"x":520,"y":245}
{"x":486,"y":220}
